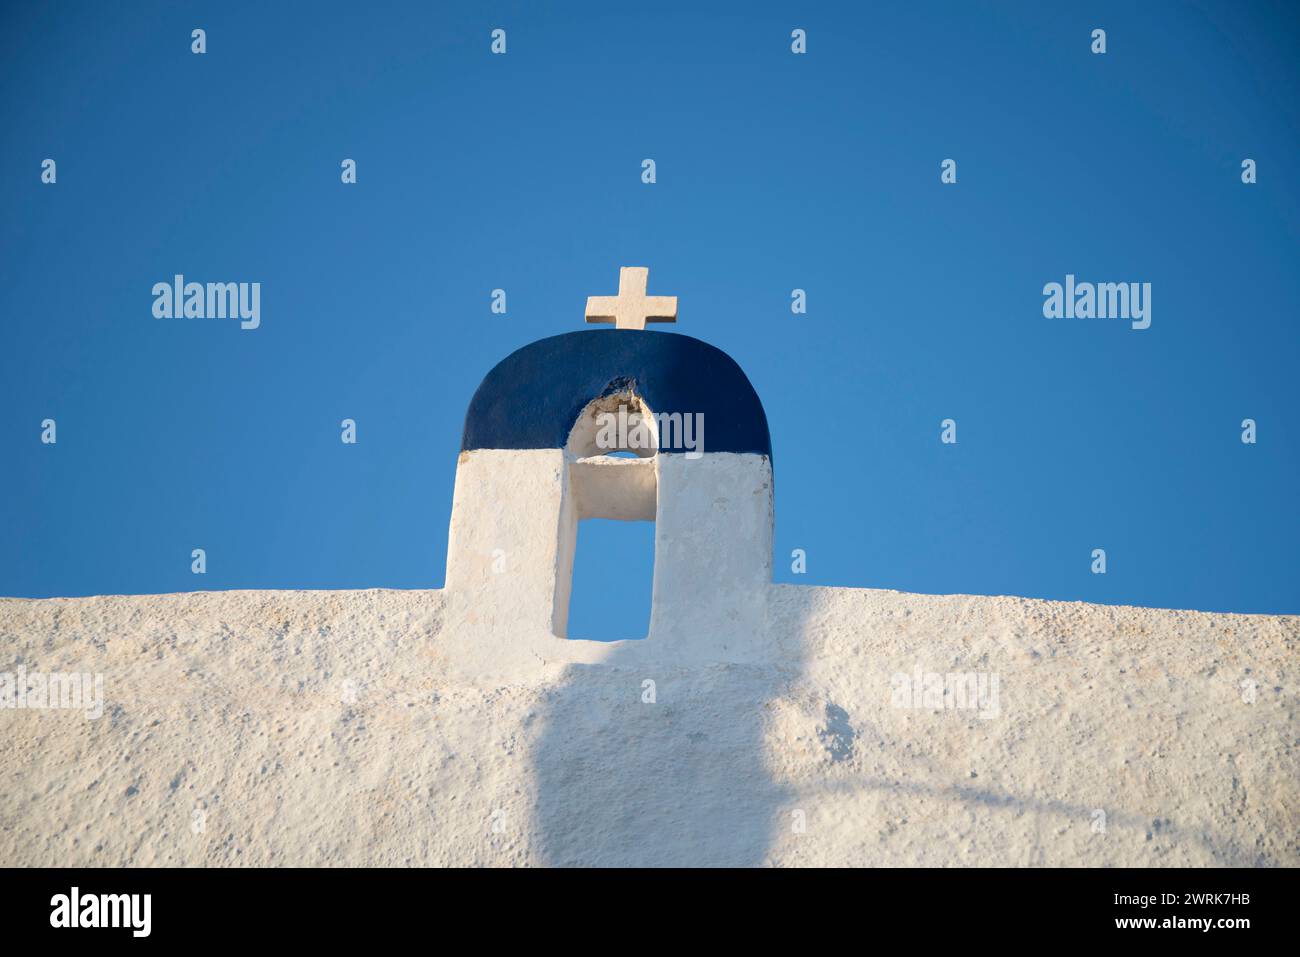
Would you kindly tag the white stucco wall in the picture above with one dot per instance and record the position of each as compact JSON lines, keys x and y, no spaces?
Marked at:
{"x":339,"y":728}
{"x":756,"y":724}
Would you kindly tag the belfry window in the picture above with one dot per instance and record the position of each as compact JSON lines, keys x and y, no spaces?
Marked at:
{"x":610,"y":545}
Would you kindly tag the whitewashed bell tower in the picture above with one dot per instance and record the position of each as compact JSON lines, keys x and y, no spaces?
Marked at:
{"x":536,"y":458}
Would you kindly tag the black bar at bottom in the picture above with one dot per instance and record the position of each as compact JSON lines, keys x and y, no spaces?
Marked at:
{"x":1221,"y":908}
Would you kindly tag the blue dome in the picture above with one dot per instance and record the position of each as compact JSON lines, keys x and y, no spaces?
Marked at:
{"x":532,"y":398}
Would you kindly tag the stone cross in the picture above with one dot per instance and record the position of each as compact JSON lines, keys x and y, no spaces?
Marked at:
{"x":632,"y":308}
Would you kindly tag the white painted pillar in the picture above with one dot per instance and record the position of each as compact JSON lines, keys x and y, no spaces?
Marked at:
{"x":713,"y":555}
{"x":508,"y":528}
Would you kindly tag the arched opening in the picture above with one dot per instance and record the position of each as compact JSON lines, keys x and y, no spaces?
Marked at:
{"x":612,"y":505}
{"x":619,"y":424}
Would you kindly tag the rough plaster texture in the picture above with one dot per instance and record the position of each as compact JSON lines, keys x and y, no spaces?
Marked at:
{"x":333,"y":728}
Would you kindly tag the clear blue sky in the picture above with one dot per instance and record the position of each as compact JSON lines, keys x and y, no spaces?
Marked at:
{"x":775,"y":171}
